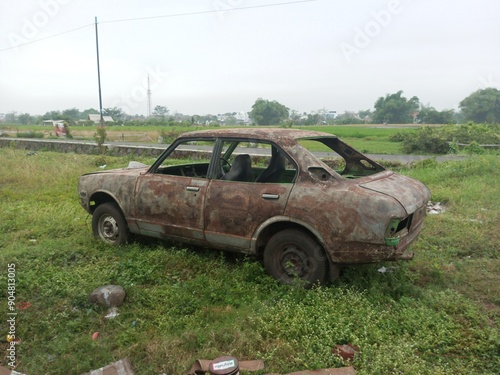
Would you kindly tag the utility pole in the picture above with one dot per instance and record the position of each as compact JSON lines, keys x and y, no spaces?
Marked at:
{"x":98,"y":73}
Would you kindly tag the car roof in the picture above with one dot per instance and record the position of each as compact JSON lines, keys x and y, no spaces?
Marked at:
{"x":256,"y":133}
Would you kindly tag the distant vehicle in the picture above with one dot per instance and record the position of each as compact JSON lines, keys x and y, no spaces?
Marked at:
{"x":261,"y":191}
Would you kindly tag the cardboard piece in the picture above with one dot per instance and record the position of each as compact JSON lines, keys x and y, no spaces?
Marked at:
{"x":200,"y":367}
{"x":122,"y":367}
{"x":6,"y":371}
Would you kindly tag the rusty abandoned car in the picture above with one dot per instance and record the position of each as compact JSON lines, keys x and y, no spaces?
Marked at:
{"x":262,"y":191}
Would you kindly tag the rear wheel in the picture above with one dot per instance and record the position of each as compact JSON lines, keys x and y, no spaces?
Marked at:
{"x":292,"y":255}
{"x":109,"y":225}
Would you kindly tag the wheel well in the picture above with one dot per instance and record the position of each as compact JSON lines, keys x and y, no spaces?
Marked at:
{"x":274,"y":228}
{"x":99,"y":198}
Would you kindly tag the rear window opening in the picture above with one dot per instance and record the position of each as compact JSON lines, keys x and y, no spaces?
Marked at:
{"x":341,"y":157}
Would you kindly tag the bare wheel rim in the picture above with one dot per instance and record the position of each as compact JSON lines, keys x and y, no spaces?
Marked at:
{"x":293,"y":262}
{"x":108,"y":228}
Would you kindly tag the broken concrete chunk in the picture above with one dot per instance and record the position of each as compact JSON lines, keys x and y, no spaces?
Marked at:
{"x":108,"y":296}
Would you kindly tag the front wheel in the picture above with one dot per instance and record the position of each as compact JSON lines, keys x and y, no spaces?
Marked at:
{"x":109,"y":225}
{"x":292,"y":255}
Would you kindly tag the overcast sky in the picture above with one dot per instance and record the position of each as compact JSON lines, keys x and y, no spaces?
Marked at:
{"x":217,"y":56}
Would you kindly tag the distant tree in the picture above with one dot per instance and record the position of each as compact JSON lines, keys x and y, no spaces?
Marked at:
{"x":74,"y":113}
{"x":395,"y":109}
{"x":11,"y":117}
{"x":115,"y":112}
{"x":429,"y":115}
{"x":84,"y":115}
{"x":25,"y":119}
{"x":313,"y":119}
{"x":160,"y":110}
{"x":52,"y":115}
{"x":266,"y":112}
{"x":482,"y":106}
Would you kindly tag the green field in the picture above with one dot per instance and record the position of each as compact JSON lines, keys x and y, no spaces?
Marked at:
{"x":365,"y":139}
{"x":438,"y":314}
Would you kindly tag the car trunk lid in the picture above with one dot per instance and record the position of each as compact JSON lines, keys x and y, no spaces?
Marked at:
{"x":410,"y":193}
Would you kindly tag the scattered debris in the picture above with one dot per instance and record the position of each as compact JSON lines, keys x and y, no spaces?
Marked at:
{"x":346,"y":351}
{"x":434,"y":208}
{"x":32,"y":153}
{"x":112,"y":313}
{"x":103,"y":166}
{"x":224,"y":366}
{"x":108,"y":296}
{"x":23,"y":305}
{"x":95,"y":335}
{"x":387,"y":269}
{"x":5,"y":371}
{"x":201,"y":367}
{"x":122,"y":367}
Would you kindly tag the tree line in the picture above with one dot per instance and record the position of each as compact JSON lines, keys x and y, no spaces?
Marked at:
{"x":482,"y":106}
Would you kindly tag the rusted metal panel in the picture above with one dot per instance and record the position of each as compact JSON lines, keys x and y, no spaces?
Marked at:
{"x":174,"y":203}
{"x":118,"y":184}
{"x":236,"y":209}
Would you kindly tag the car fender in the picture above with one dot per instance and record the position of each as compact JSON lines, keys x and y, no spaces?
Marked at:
{"x":261,"y":230}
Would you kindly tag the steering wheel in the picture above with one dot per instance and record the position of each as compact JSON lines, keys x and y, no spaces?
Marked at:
{"x":225,"y":165}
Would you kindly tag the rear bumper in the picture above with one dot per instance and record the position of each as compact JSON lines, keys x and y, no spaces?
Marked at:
{"x":361,"y":252}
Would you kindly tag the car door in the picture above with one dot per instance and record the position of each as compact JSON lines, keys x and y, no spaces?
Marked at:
{"x":169,"y":200}
{"x":170,"y":206}
{"x":234,"y":209}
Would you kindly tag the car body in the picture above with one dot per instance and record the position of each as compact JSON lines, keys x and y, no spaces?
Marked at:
{"x":263,"y":191}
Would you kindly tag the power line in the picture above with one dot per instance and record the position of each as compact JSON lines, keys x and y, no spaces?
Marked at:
{"x":162,"y":16}
{"x":45,"y":38}
{"x":210,"y":11}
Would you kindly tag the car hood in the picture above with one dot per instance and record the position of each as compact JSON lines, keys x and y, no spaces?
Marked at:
{"x":410,"y":193}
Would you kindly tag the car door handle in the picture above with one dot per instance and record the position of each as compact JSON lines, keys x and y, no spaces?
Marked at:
{"x":193,"y":188}
{"x":270,"y":196}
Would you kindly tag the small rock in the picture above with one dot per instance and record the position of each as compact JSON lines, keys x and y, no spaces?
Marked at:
{"x":108,"y":296}
{"x":346,"y":351}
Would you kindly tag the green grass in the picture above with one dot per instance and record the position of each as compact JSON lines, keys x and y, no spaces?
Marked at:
{"x":363,"y":138}
{"x":437,"y":314}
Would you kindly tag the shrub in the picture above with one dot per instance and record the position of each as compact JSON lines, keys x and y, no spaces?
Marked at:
{"x":30,"y":134}
{"x":426,"y":140}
